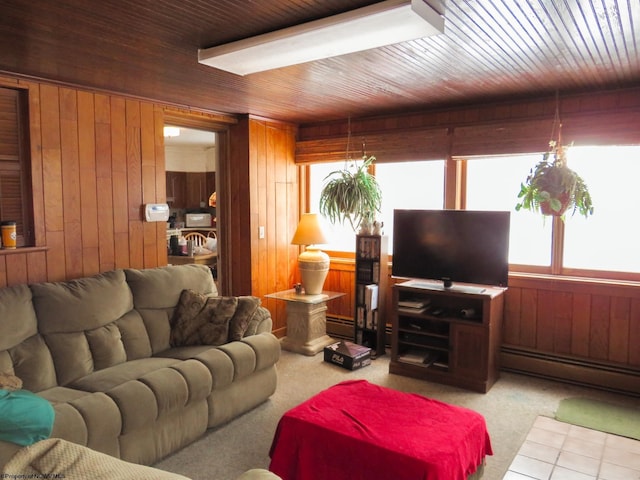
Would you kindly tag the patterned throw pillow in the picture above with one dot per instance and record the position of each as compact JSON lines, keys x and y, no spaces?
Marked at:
{"x":247,"y":307}
{"x":201,"y":320}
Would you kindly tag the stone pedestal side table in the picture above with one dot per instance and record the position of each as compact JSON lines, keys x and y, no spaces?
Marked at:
{"x":306,"y":321}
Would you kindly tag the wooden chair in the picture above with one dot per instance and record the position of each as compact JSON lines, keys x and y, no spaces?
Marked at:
{"x":198,"y":239}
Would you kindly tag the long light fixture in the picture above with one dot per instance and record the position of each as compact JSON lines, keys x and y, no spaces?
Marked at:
{"x":377,"y":25}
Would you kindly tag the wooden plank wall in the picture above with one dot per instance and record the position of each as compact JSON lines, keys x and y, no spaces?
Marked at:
{"x":274,"y":192}
{"x":588,"y":320}
{"x":96,"y":158}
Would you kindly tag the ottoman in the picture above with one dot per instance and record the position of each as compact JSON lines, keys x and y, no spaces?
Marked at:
{"x":358,"y":430}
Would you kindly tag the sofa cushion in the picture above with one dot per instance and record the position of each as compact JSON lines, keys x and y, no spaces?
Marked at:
{"x":76,"y":319}
{"x":18,"y":316}
{"x":106,"y":346}
{"x":156,"y":292}
{"x":72,"y":355}
{"x":22,"y":350}
{"x":91,"y":419}
{"x":159,"y":393}
{"x":161,"y":287}
{"x":82,"y":304}
{"x":201,"y":320}
{"x":32,"y":362}
{"x":108,"y":378}
{"x":134,"y":336}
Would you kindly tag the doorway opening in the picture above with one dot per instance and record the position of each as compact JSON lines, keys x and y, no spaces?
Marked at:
{"x":191,"y":163}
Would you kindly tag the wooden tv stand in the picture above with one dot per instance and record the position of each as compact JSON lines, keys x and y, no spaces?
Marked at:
{"x":447,"y":335}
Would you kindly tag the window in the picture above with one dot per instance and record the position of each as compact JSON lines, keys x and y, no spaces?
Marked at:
{"x":403,"y":184}
{"x":607,"y":240}
{"x":409,"y":185}
{"x":493,"y":183}
{"x":601,"y":245}
{"x":15,"y":191}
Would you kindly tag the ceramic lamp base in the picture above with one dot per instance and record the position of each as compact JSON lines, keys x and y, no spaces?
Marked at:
{"x":314,"y":266}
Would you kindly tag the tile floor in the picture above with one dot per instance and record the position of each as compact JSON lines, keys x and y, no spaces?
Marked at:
{"x":555,"y":450}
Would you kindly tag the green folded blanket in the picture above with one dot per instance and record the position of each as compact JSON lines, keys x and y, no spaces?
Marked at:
{"x":25,"y":418}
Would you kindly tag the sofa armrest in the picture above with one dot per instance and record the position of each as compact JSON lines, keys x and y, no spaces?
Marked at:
{"x":260,"y":323}
{"x":258,"y":474}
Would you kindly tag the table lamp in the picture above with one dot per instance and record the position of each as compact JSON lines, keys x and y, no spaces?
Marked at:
{"x":312,"y":262}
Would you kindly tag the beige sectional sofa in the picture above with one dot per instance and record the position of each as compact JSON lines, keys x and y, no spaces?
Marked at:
{"x":98,"y":348}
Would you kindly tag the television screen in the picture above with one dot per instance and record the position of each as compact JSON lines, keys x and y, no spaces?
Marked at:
{"x":452,"y":245}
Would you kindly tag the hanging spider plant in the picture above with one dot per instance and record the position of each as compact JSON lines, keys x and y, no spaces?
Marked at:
{"x":351,"y":194}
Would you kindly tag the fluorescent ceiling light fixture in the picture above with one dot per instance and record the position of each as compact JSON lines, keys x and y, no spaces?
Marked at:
{"x":378,"y":25}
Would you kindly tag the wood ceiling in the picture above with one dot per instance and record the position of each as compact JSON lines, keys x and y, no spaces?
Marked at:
{"x":491,"y":50}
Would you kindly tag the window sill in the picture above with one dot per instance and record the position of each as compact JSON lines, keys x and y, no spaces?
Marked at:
{"x":12,"y":251}
{"x":569,"y":283}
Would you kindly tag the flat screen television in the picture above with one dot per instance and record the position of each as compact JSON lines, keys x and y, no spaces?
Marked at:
{"x":452,"y":246}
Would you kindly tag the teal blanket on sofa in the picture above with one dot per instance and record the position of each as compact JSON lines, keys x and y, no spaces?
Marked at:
{"x":25,"y":418}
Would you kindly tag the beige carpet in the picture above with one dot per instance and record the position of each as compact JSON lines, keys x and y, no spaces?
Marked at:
{"x":510,"y":408}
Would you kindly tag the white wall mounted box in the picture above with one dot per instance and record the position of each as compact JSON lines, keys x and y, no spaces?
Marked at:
{"x":156,"y":212}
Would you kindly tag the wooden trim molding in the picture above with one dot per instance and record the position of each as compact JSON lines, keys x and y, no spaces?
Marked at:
{"x":20,"y":250}
{"x":196,"y":119}
{"x":574,"y":284}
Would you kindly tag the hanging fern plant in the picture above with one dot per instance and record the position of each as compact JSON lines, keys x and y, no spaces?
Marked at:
{"x":351,"y":194}
{"x":552,"y":188}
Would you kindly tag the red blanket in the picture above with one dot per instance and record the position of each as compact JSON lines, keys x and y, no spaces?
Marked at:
{"x":357,"y":430}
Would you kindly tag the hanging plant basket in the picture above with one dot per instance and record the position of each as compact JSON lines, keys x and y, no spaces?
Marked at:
{"x":552,"y":188}
{"x":561,"y":205}
{"x":351,"y":194}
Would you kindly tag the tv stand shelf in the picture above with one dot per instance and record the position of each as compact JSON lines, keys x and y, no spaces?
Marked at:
{"x":447,"y":335}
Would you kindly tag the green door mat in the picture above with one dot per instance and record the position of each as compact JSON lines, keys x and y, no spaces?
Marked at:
{"x":602,"y":416}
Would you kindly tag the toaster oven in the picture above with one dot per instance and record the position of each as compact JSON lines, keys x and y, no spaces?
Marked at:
{"x":197,"y":220}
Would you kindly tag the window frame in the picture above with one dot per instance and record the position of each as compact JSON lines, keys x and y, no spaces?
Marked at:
{"x":19,"y":161}
{"x":455,"y":180}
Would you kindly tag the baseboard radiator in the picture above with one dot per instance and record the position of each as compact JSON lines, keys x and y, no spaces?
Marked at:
{"x":571,"y":370}
{"x":341,"y":327}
